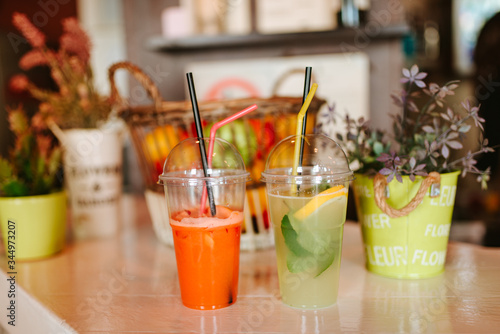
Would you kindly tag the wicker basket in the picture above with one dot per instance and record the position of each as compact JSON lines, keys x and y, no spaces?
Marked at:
{"x":157,"y":128}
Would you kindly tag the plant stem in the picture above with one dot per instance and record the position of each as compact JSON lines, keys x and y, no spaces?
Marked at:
{"x":468,"y":156}
{"x":422,"y":112}
{"x":405,"y":110}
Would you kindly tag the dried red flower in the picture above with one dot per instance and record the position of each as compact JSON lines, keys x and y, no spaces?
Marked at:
{"x":34,"y":36}
{"x":76,"y":104}
{"x":19,"y":83}
{"x":75,"y":40}
{"x":32,"y":59}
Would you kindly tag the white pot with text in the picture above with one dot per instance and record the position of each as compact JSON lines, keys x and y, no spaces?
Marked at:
{"x":93,"y":163}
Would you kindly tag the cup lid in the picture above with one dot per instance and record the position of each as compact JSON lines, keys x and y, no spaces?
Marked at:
{"x":323,"y":160}
{"x":183,"y":165}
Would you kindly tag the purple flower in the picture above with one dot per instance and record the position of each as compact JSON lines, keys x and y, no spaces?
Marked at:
{"x":413,"y":76}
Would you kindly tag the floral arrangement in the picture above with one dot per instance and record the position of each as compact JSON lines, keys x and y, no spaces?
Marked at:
{"x":76,"y":104}
{"x":34,"y":162}
{"x":423,"y":138}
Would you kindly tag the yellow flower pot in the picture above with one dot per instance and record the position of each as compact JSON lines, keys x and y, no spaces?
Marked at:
{"x":33,"y":227}
{"x":411,"y":246}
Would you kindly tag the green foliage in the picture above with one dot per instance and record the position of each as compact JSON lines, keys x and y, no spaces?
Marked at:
{"x":33,"y":164}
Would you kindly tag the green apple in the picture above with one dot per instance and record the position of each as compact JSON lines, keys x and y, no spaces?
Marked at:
{"x":241,"y":135}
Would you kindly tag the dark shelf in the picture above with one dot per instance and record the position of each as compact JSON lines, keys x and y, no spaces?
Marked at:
{"x":347,"y":35}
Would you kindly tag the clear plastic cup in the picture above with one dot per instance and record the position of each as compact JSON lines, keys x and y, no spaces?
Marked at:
{"x":207,"y":247}
{"x":307,"y":212}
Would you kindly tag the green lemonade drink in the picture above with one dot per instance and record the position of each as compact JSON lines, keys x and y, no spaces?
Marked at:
{"x":307,"y":204}
{"x":308,"y":233}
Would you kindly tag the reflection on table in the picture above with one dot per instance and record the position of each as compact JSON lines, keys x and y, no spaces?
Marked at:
{"x":129,"y":284}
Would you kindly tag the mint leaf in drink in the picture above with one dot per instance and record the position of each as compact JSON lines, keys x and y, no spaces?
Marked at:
{"x":324,"y":185}
{"x":297,"y":264}
{"x":315,"y":265}
{"x":320,"y":245}
{"x":315,"y":242}
{"x":310,"y":251}
{"x":324,"y":260}
{"x":290,"y":236}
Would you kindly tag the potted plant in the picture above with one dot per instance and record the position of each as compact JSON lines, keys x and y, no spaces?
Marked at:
{"x":32,"y":202}
{"x":406,"y":180}
{"x":80,"y":118}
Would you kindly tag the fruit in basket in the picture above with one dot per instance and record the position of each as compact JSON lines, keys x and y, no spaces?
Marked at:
{"x":204,"y":123}
{"x":240,"y":135}
{"x":151,"y":152}
{"x":257,"y":167}
{"x":282,"y":127}
{"x":264,"y":130}
{"x":266,"y":138}
{"x":157,"y":144}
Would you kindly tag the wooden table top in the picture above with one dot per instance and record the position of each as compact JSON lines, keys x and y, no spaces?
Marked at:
{"x":128,"y":284}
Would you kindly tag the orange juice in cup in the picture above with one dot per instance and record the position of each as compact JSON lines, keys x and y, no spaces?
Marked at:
{"x":207,"y":252}
{"x":207,"y":246}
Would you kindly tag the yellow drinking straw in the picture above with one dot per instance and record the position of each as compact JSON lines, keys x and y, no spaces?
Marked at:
{"x":300,"y":120}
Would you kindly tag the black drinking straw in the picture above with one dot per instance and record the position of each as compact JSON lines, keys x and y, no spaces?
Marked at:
{"x":199,"y":133}
{"x":307,"y":88}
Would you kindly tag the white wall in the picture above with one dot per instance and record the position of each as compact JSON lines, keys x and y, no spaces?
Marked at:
{"x":103,"y":21}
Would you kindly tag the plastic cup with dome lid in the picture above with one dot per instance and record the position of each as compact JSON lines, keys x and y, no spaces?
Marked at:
{"x":307,"y":208}
{"x":206,"y":246}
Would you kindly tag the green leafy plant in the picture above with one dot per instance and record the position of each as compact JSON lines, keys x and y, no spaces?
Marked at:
{"x":425,"y":134}
{"x":76,"y":103}
{"x":33,"y":164}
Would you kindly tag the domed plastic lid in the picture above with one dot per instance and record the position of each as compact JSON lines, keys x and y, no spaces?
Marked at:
{"x":323,"y":161}
{"x":183,"y":165}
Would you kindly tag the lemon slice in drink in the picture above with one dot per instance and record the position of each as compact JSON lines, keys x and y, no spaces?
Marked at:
{"x":319,"y":200}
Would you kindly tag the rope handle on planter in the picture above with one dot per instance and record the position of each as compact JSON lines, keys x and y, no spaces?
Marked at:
{"x":140,"y":76}
{"x":380,"y":183}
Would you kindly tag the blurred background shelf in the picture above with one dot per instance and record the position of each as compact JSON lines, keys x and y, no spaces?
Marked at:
{"x":337,"y":36}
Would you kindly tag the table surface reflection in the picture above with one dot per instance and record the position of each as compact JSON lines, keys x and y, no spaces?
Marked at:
{"x":128,"y":284}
